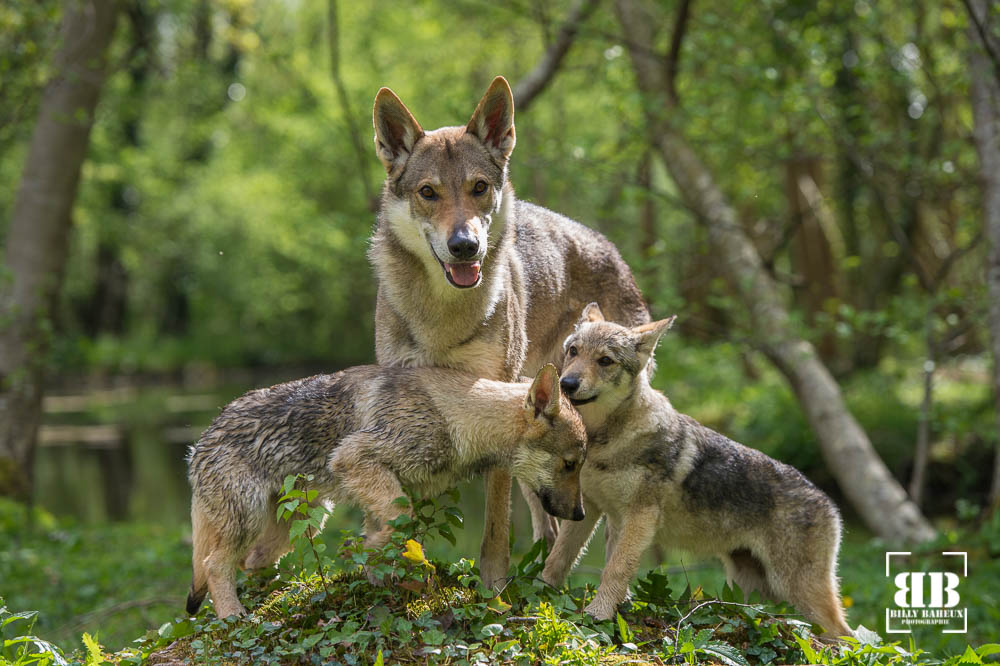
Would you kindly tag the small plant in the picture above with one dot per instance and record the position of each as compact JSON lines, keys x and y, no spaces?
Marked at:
{"x":298,"y":506}
{"x":18,"y":647}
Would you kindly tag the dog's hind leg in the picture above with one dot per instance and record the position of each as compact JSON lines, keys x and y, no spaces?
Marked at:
{"x":814,"y":591}
{"x":203,"y":538}
{"x":214,"y":561}
{"x":803,"y":573}
{"x":746,"y":570}
{"x":270,"y":546}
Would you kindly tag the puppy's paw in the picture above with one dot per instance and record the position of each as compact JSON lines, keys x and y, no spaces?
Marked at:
{"x":600,"y":610}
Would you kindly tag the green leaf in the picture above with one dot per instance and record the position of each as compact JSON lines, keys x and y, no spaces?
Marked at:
{"x":94,"y":654}
{"x":491,"y":630}
{"x":432,"y":637}
{"x":299,"y":528}
{"x":807,"y":650}
{"x":624,"y":633}
{"x":312,"y":639}
{"x":25,"y":615}
{"x":970,"y":656}
{"x":988,"y":649}
{"x":378,"y":659}
{"x":727,"y":654}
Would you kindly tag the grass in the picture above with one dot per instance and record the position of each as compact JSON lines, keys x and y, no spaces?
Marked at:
{"x":115,"y":582}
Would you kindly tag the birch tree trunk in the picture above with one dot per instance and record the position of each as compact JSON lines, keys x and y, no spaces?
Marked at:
{"x":39,"y":228}
{"x":985,"y":89}
{"x":848,"y":453}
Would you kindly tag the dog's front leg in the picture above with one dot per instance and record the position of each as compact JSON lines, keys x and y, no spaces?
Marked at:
{"x":570,"y":544}
{"x":495,"y":550}
{"x":543,"y":525}
{"x":370,"y":485}
{"x":631,"y":539}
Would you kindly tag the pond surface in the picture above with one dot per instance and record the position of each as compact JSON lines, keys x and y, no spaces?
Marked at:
{"x":117,"y":451}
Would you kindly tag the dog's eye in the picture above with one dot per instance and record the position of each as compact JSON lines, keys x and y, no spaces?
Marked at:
{"x":479,"y":187}
{"x":569,"y":465}
{"x":427,"y":192}
{"x":572,"y":351}
{"x":605,"y":361}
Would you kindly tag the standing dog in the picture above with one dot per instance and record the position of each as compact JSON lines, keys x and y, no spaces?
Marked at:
{"x":473,"y":279}
{"x":660,"y":475}
{"x":365,"y":434}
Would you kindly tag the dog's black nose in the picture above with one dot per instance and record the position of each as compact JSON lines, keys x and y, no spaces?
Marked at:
{"x":578,"y":513}
{"x":463,"y":244}
{"x":569,"y":384}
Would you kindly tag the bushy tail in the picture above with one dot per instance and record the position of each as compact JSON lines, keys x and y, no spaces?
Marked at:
{"x":195,"y":598}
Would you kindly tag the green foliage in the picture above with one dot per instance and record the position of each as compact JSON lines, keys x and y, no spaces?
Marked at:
{"x":18,"y":646}
{"x":435,"y":611}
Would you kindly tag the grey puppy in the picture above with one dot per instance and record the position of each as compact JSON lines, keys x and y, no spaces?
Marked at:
{"x":659,"y":475}
{"x":365,"y":433}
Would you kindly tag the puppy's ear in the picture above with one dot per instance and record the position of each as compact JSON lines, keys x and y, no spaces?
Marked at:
{"x":493,"y":120}
{"x":591,"y":313}
{"x":396,"y":130}
{"x":543,"y":396}
{"x":648,"y":335}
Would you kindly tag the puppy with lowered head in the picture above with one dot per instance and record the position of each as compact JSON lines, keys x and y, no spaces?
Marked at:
{"x":364,"y":434}
{"x":660,"y":475}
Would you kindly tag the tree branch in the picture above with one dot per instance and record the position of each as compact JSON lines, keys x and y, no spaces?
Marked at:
{"x":533,"y":83}
{"x":345,"y":106}
{"x":984,"y":36}
{"x":674,"y":56}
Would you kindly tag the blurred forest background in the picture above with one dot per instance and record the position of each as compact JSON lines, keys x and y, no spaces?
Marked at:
{"x":227,"y":193}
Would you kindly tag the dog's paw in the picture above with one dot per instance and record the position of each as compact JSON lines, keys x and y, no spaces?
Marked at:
{"x":600,"y":610}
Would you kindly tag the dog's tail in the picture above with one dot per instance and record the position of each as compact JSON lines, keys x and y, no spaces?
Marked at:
{"x":195,"y":598}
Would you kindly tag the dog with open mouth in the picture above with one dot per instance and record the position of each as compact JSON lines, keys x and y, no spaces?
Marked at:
{"x":471,"y":278}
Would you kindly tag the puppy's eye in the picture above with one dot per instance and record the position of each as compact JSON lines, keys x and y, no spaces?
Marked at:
{"x":427,"y":192}
{"x":479,"y":187}
{"x":605,"y":361}
{"x":572,"y":350}
{"x":569,"y":465}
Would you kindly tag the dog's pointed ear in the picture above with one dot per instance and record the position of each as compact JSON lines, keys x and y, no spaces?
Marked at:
{"x":648,"y":335}
{"x":396,"y":130}
{"x":592,"y":313}
{"x":543,"y":396}
{"x":493,"y":120}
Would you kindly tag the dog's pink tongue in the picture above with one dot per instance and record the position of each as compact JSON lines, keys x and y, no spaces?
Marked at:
{"x":464,"y":275}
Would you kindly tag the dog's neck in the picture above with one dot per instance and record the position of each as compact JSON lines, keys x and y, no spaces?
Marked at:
{"x":490,"y":422}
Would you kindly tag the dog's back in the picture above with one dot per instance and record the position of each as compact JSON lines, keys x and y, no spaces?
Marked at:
{"x":568,"y":265}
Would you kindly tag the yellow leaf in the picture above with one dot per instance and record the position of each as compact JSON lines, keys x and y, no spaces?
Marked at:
{"x":414,"y":552}
{"x":498,"y":605}
{"x":848,"y":602}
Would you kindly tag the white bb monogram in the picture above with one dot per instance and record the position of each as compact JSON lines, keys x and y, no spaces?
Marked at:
{"x":911,"y":589}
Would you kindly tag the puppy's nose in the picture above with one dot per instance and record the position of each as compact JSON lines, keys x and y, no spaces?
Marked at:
{"x":569,"y":384}
{"x":578,"y":512}
{"x":463,"y":244}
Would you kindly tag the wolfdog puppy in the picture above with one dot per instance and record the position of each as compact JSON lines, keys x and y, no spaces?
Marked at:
{"x":660,"y":475}
{"x":365,"y":434}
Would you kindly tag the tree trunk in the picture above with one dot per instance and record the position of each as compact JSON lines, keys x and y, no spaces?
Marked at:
{"x":39,"y":229}
{"x":846,"y":449}
{"x":986,"y":115}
